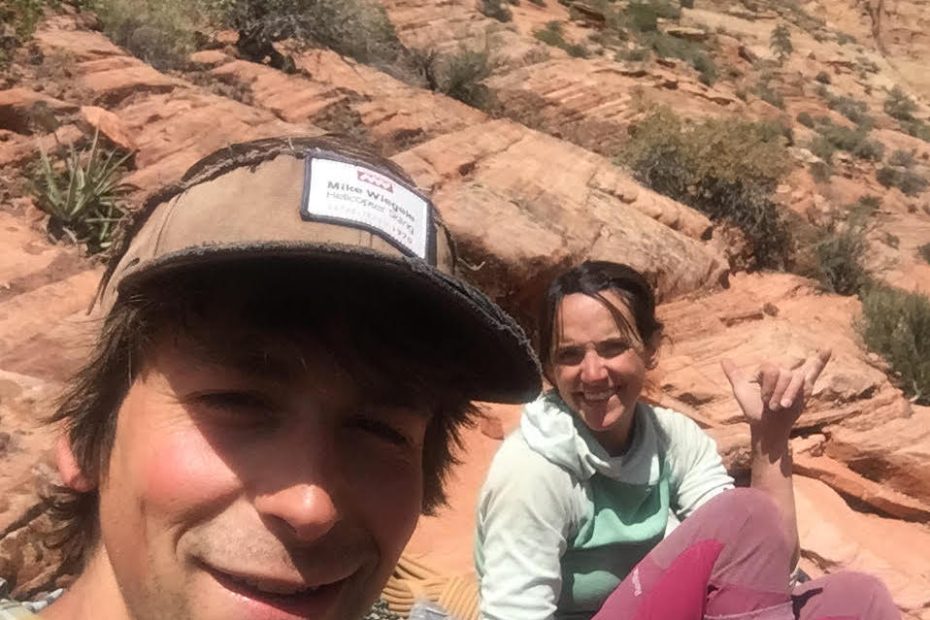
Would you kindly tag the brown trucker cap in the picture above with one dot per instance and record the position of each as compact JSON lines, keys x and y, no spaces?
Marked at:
{"x":326,"y":204}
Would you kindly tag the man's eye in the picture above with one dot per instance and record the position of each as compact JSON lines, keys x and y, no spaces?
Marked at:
{"x":381,"y":430}
{"x":236,"y":403}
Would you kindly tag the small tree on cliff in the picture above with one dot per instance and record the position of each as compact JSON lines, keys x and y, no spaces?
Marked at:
{"x":780,"y":42}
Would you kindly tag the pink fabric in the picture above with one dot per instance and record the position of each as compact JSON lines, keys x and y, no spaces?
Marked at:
{"x":679,"y":592}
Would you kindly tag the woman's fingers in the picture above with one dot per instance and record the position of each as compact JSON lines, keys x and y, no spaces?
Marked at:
{"x":795,"y":390}
{"x":768,"y":379}
{"x":781,"y":384}
{"x":815,"y":366}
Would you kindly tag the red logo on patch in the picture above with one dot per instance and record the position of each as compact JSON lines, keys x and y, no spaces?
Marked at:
{"x":375,"y":179}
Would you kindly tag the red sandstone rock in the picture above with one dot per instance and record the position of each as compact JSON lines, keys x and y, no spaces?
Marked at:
{"x":110,"y":126}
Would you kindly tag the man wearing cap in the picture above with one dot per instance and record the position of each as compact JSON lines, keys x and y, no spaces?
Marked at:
{"x":284,"y":363}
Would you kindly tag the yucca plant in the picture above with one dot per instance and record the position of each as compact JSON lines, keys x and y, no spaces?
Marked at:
{"x":85,"y":201}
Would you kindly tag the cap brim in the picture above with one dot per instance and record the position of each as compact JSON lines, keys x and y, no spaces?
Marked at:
{"x":492,"y":348}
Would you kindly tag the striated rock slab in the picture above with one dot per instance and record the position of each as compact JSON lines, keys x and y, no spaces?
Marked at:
{"x":340,"y":95}
{"x":835,"y":537}
{"x":23,"y":110}
{"x":896,"y":453}
{"x":777,"y":315}
{"x":592,"y":103}
{"x":848,"y":482}
{"x":173,"y":123}
{"x":523,"y":205}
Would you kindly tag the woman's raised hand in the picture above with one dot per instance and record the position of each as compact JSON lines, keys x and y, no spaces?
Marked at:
{"x":773,"y":397}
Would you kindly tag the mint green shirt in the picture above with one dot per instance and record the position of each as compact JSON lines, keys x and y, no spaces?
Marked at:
{"x":561,"y":522}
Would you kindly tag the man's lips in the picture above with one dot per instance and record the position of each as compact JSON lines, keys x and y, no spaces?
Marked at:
{"x":287,"y":596}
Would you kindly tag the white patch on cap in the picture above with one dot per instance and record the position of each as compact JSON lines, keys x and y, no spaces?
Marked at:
{"x":360,"y":197}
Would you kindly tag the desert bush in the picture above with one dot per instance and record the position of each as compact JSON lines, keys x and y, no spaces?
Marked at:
{"x":899,"y":105}
{"x":896,"y":325}
{"x":643,"y":17}
{"x":495,"y":9}
{"x":767,"y":93}
{"x":855,"y":110}
{"x":780,"y":42}
{"x":637,"y":54}
{"x":865,"y":207}
{"x":552,"y":35}
{"x":839,"y":252}
{"x":844,"y":39}
{"x":723,"y":167}
{"x":821,"y":171}
{"x":917,"y":128}
{"x":823,"y":77}
{"x":924,"y":252}
{"x":806,"y":119}
{"x":460,"y":76}
{"x":85,"y":200}
{"x":854,"y":141}
{"x":160,"y":32}
{"x":908,"y":181}
{"x":359,"y":29}
{"x":666,"y":46}
{"x":18,"y":20}
{"x":904,"y":159}
{"x":822,"y":148}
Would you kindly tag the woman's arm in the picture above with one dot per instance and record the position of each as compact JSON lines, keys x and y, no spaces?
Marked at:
{"x":772,"y":399}
{"x":523,"y":528}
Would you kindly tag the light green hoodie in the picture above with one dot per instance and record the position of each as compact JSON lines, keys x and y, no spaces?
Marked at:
{"x":561,"y":522}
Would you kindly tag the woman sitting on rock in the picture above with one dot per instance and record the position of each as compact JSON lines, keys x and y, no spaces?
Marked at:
{"x":574,"y":516}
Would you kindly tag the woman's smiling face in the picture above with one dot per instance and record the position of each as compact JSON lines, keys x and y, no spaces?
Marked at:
{"x":599,"y":365}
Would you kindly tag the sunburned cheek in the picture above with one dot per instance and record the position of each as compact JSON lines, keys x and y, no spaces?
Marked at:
{"x":182,"y":470}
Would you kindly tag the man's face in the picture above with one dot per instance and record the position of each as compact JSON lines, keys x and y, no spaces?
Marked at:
{"x":257,"y":493}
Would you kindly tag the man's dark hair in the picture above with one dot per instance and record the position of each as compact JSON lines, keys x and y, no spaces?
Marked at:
{"x":373,"y":329}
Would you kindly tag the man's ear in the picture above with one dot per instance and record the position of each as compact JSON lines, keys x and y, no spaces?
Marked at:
{"x":71,"y":473}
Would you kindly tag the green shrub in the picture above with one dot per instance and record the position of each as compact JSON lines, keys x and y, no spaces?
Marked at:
{"x":725,"y":168}
{"x":460,"y":76}
{"x":160,"y":32}
{"x":917,"y":128}
{"x":495,"y":9}
{"x":865,"y":206}
{"x":854,"y":141}
{"x":822,"y":148}
{"x":538,"y":2}
{"x":904,"y":159}
{"x":853,"y":109}
{"x":821,"y":171}
{"x":780,"y":42}
{"x":908,"y":181}
{"x":924,"y":252}
{"x":896,"y":325}
{"x":805,"y":119}
{"x":552,"y":35}
{"x":18,"y":20}
{"x":839,"y":253}
{"x":359,"y":29}
{"x":637,"y":54}
{"x":706,"y":68}
{"x":687,"y":4}
{"x":767,"y":93}
{"x":844,"y":39}
{"x":823,"y":77}
{"x":643,"y":17}
{"x":899,"y":105}
{"x":86,"y":200}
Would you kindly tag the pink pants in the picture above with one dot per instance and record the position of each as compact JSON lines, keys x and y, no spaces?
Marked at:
{"x":730,"y":559}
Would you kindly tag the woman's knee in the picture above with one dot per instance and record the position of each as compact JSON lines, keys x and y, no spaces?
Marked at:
{"x":749,"y":509}
{"x":748,"y":522}
{"x":849,"y":593}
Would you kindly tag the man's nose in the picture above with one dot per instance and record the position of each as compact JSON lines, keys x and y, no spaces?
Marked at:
{"x":592,"y":368}
{"x":307,"y":510}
